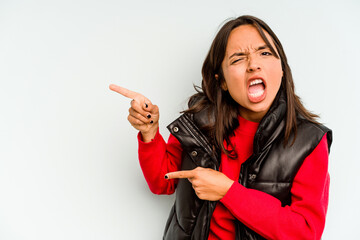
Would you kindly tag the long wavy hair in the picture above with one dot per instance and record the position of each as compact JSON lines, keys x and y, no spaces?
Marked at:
{"x":226,"y":110}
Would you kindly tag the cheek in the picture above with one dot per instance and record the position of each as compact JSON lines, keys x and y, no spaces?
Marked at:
{"x":235,"y":79}
{"x":275,"y":75}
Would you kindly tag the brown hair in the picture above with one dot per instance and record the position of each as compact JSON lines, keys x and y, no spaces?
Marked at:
{"x":225,"y":108}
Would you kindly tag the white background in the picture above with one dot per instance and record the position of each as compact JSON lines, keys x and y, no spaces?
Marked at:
{"x":68,"y":156}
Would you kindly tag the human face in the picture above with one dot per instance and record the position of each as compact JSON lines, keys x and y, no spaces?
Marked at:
{"x":252,"y":73}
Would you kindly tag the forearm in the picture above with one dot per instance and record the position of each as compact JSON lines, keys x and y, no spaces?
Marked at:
{"x":158,"y":158}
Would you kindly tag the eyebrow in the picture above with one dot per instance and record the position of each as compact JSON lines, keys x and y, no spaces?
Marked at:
{"x":242,"y":54}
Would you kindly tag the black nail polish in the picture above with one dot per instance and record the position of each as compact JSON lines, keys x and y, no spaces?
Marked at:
{"x":151,"y":121}
{"x":146,"y":105}
{"x":148,"y":116}
{"x":166,"y":177}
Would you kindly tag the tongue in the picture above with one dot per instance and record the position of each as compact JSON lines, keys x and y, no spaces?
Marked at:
{"x":256,"y":88}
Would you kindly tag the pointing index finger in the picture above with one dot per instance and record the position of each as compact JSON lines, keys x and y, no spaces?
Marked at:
{"x":123,"y":91}
{"x":180,"y":174}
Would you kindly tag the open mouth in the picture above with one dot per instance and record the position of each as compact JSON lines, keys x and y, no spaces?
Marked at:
{"x":256,"y":90}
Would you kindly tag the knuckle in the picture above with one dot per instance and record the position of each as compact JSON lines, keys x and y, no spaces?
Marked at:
{"x":200,"y":195}
{"x":139,"y":116}
{"x":154,"y":109}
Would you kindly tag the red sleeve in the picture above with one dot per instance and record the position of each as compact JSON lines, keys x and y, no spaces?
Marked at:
{"x":303,"y":219}
{"x":158,"y":158}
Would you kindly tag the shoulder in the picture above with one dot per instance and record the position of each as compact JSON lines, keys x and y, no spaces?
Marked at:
{"x":199,"y":116}
{"x":312,"y":133}
{"x":196,"y":98}
{"x":200,"y":111}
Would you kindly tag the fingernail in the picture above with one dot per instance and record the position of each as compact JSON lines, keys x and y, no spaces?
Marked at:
{"x":166,"y":177}
{"x":146,"y":105}
{"x":148,"y":116}
{"x":151,"y":121}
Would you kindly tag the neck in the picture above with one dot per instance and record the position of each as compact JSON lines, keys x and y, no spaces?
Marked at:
{"x":252,"y":116}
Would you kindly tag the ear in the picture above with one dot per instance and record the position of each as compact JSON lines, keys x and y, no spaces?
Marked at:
{"x":224,"y":86}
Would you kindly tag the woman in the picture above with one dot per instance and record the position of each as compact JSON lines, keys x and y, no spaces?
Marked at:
{"x":247,"y":160}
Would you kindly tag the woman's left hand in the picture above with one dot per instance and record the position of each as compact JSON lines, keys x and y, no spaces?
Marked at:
{"x":208,"y":184}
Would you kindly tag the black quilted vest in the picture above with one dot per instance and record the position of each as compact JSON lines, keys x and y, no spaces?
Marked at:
{"x":271,"y":162}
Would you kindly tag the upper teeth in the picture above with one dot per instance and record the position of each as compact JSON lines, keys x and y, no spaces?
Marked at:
{"x":256,"y":81}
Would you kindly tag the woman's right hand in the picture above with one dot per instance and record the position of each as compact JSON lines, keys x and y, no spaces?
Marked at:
{"x":143,"y":115}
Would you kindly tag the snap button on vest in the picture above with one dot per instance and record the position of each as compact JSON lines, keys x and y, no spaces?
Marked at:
{"x":175,"y":129}
{"x":194,"y":153}
{"x":252,"y":176}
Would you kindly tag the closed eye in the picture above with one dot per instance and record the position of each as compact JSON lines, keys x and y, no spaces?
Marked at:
{"x":237,"y":60}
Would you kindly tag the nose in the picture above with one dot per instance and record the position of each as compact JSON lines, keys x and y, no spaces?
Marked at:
{"x":253,"y":65}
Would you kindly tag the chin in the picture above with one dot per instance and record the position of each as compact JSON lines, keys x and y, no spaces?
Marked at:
{"x":260,"y":107}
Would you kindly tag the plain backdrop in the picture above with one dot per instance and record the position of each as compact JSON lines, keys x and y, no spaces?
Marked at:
{"x":68,"y":156}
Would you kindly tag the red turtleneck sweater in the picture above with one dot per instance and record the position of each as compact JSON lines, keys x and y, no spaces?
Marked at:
{"x":303,"y":219}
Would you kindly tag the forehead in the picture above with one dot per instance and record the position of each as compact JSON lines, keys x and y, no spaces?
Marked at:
{"x":246,"y":37}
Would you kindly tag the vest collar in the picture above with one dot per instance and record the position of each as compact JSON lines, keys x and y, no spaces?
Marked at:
{"x":272,"y":124}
